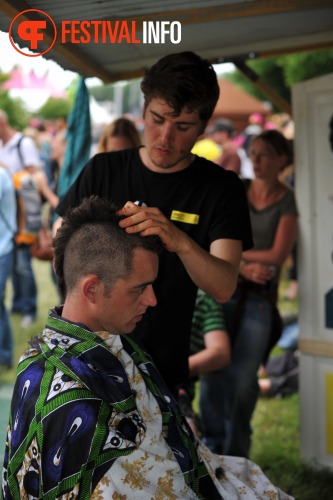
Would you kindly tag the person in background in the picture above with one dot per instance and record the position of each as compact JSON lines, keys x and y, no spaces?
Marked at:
{"x":253,"y":320}
{"x":91,"y":416}
{"x":58,"y":147}
{"x":222,"y":132}
{"x":8,"y":227}
{"x":292,"y":290}
{"x":199,"y":210}
{"x":43,"y":153}
{"x":209,"y":350}
{"x":279,"y":377}
{"x":15,"y":148}
{"x":120,"y":134}
{"x":256,"y":123}
{"x":19,"y":155}
{"x":44,"y":138}
{"x":288,"y":177}
{"x":210,"y":344}
{"x":25,"y":294}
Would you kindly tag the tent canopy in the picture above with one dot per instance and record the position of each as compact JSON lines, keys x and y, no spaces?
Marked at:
{"x":219,"y":30}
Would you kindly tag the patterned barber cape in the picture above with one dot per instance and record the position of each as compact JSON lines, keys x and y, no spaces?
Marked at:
{"x":84,"y":425}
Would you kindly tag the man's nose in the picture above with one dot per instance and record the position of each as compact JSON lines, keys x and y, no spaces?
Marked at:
{"x":150,"y":297}
{"x":167,"y":132}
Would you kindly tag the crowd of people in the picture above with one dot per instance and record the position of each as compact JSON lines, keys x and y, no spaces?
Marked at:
{"x":168,"y":267}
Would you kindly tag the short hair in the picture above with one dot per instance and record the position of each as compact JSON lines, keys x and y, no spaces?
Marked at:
{"x":90,"y":241}
{"x":184,"y":81}
{"x":222,"y":125}
{"x":121,"y":127}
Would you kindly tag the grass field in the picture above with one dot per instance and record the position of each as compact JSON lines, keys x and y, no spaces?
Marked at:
{"x":276,"y":438}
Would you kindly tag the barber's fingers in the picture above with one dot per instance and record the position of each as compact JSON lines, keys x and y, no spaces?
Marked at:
{"x":129,"y":209}
{"x":128,"y":205}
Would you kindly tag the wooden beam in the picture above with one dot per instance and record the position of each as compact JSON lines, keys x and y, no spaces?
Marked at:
{"x":228,"y":11}
{"x":263,"y":86}
{"x":316,"y":347}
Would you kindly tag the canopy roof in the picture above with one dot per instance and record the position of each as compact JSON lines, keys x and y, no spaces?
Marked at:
{"x":219,"y":30}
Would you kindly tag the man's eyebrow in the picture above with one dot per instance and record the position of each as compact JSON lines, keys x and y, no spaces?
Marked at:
{"x":161,"y":117}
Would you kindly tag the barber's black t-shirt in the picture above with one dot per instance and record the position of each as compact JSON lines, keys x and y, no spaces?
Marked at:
{"x":203,"y":200}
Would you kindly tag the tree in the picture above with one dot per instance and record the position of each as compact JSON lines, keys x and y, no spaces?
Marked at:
{"x":17,"y":114}
{"x":103,"y":92}
{"x":306,"y":65}
{"x":54,"y":108}
{"x":270,"y":71}
{"x":71,"y":90}
{"x":284,"y":71}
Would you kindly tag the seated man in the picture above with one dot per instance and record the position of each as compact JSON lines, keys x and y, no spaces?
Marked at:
{"x":91,"y":416}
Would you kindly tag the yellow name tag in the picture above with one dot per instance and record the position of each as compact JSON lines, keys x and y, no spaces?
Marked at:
{"x":183,"y":217}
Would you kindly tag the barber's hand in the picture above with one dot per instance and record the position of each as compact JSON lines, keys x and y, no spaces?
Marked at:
{"x":148,"y":221}
{"x":258,"y":273}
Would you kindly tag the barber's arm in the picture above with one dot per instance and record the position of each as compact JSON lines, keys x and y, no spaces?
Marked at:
{"x":215,"y":272}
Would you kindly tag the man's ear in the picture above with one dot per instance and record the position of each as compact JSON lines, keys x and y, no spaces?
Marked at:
{"x":89,"y":287}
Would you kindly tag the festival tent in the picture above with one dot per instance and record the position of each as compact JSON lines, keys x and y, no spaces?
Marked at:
{"x":33,"y":89}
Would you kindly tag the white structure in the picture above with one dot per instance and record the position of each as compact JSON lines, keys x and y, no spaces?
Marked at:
{"x":100,"y":115}
{"x":313,"y":116}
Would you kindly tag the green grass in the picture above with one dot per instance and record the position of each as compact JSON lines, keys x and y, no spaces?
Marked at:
{"x":276,"y":448}
{"x":276,"y":437}
{"x":47,"y":297}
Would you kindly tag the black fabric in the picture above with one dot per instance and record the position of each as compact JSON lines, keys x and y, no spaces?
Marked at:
{"x":283,"y":374}
{"x":205,"y":189}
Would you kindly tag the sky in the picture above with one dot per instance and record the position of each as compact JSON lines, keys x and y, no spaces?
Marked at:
{"x":9,"y":57}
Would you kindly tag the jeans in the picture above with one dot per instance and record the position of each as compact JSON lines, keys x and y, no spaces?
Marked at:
{"x":24,"y":283}
{"x":6,"y":336}
{"x":228,"y":397}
